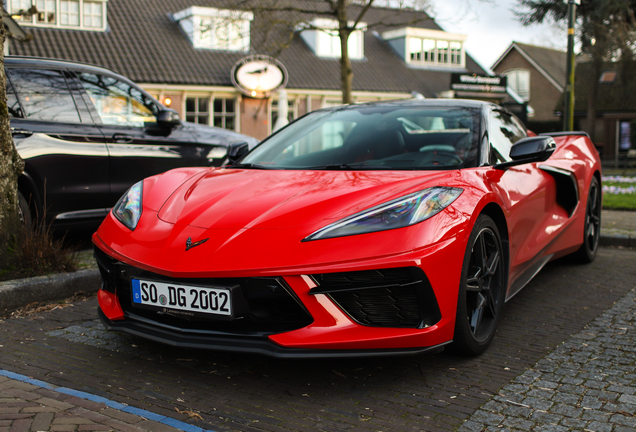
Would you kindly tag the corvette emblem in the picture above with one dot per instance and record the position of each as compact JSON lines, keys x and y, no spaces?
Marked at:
{"x":190,"y":244}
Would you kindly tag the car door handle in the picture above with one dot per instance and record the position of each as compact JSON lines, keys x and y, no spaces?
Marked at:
{"x":21,"y":132}
{"x":121,"y":138}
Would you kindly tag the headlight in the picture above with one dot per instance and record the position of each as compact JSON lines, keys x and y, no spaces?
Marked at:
{"x":128,"y":208}
{"x":398,"y":213}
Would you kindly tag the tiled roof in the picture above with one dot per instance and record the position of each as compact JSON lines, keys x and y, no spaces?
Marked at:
{"x":553,"y":62}
{"x":612,"y":97}
{"x":143,"y":43}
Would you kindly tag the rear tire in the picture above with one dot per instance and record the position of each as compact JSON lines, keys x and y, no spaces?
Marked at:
{"x":481,"y":290}
{"x":24,"y":211}
{"x":592,"y":227}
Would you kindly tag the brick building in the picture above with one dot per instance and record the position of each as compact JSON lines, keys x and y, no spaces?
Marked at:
{"x":537,"y":74}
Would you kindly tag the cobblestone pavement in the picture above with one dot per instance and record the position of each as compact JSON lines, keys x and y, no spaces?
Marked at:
{"x":65,"y":347}
{"x":587,"y":383}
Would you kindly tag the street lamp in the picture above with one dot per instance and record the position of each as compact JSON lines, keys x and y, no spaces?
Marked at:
{"x":568,"y":112}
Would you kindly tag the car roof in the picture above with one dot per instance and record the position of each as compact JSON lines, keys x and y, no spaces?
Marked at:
{"x":458,"y":103}
{"x":56,"y":63}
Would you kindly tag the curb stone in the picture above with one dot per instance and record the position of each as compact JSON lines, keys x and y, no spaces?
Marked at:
{"x":17,"y":293}
{"x":620,"y":240}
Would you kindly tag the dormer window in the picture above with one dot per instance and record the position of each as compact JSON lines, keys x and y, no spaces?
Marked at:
{"x":211,"y":28}
{"x":73,"y":14}
{"x":323,"y":38}
{"x":424,"y":47}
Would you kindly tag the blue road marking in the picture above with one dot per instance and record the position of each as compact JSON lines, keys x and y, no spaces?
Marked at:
{"x":168,"y":421}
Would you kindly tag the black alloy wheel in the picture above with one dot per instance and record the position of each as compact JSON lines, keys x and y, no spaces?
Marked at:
{"x":592,"y":227}
{"x":481,"y":291}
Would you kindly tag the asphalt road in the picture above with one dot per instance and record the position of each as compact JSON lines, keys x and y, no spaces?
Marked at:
{"x":67,"y":347}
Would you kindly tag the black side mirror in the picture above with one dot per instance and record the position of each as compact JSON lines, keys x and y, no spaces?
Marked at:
{"x":168,"y":119}
{"x":236,"y":151}
{"x":528,"y":150}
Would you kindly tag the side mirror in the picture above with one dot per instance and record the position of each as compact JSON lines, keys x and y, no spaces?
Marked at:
{"x":528,"y":150}
{"x":168,"y":119}
{"x":236,"y":151}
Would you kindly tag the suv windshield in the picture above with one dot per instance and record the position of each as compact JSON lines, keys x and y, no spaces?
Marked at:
{"x":387,"y":137}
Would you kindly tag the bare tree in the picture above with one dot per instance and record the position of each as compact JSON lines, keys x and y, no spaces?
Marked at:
{"x":11,"y":165}
{"x":281,"y":20}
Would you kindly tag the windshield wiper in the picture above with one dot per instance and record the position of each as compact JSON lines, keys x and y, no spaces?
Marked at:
{"x":345,"y":167}
{"x":249,"y":166}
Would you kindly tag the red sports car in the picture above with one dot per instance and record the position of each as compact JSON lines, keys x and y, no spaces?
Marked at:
{"x":384,"y":228}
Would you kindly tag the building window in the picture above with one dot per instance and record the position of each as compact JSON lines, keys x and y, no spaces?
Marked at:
{"x":225,"y":113}
{"x":519,"y":81}
{"x":212,"y":28}
{"x":323,"y":38}
{"x":435,"y":51}
{"x":291,"y":114}
{"x":93,"y":15}
{"x":198,"y":110}
{"x":79,"y":14}
{"x":69,"y":13}
{"x":456,"y":53}
{"x":46,"y":11}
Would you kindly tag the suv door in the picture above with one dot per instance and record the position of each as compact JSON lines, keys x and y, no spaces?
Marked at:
{"x":138,"y":146}
{"x":66,"y":159}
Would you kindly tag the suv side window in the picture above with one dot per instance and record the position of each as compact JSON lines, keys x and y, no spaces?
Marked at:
{"x":118,"y":103}
{"x":13,"y":105}
{"x":44,"y":94}
{"x":505,"y":130}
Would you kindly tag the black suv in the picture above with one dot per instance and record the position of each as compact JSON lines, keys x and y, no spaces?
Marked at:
{"x":87,"y":134}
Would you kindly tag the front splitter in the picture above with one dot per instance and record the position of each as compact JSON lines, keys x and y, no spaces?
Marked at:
{"x":248,"y":344}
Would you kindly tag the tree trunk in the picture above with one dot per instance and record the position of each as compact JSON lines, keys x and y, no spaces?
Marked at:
{"x":597,"y":65}
{"x":11,"y":165}
{"x":346,"y":73}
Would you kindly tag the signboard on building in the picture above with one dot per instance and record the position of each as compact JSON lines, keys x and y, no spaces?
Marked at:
{"x":258,"y":76}
{"x":461,"y":82}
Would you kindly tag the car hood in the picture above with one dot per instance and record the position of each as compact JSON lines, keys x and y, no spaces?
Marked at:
{"x":243,"y":199}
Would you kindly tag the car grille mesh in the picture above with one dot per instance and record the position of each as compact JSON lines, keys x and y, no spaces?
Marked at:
{"x":399,"y":297}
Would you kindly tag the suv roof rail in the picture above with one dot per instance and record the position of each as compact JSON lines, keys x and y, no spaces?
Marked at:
{"x":51,"y":59}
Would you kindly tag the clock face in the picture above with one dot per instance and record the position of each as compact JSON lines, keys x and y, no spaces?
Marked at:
{"x":258,"y":76}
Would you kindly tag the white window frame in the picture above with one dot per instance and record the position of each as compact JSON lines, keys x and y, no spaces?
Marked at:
{"x":436,"y":47}
{"x":513,"y":82}
{"x":273,"y":108}
{"x":323,"y":38}
{"x":33,"y":21}
{"x":204,"y":27}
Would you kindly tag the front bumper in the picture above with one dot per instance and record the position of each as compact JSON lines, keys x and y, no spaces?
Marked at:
{"x":244,"y":344}
{"x":323,"y":324}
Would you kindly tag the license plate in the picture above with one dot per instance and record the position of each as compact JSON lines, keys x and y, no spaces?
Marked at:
{"x":182,"y":297}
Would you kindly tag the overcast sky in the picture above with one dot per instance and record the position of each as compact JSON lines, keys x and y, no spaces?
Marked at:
{"x":491,"y":27}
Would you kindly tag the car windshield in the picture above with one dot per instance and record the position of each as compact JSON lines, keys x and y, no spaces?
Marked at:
{"x":385,"y":137}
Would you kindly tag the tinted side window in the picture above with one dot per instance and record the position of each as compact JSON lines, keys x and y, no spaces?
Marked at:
{"x":15,"y":110}
{"x":505,"y":130}
{"x":45,"y":95}
{"x":118,"y":103}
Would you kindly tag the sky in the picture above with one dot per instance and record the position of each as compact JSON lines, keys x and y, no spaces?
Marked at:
{"x":491,"y":26}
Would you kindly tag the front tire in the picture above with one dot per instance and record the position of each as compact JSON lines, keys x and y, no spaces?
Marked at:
{"x":481,"y":291}
{"x":592,"y":227}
